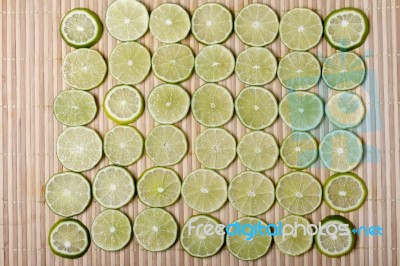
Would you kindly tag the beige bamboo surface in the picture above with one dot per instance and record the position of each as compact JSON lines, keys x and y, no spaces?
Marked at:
{"x":31,"y":52}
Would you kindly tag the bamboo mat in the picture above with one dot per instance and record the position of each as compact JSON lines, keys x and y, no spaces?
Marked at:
{"x":31,"y":53}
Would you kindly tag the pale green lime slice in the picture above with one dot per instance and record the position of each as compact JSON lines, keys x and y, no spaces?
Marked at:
{"x":299,"y":150}
{"x":345,"y":110}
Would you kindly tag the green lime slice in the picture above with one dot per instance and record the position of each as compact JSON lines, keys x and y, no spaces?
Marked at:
{"x":301,"y":110}
{"x":346,"y":28}
{"x":130,"y":63}
{"x":244,"y":248}
{"x":299,"y":71}
{"x":169,"y":23}
{"x":212,"y":105}
{"x":68,"y":194}
{"x":155,"y":229}
{"x":69,"y":238}
{"x":199,"y":244}
{"x":204,"y":190}
{"x":251,"y":193}
{"x":159,"y":187}
{"x":81,"y":28}
{"x":79,"y":148}
{"x":299,"y":150}
{"x":168,"y":103}
{"x":111,"y":230}
{"x":212,"y":23}
{"x":341,"y":151}
{"x":74,"y":108}
{"x":123,"y":104}
{"x":300,"y":29}
{"x":166,"y":145}
{"x":173,"y":63}
{"x":84,"y":69}
{"x":299,"y":192}
{"x":215,"y":148}
{"x":127,"y":20}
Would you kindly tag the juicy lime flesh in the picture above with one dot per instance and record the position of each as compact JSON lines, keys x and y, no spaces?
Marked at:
{"x":345,"y":110}
{"x":299,"y":150}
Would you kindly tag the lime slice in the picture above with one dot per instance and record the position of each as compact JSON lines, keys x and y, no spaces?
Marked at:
{"x":300,"y":29}
{"x":299,"y":150}
{"x":168,"y":103}
{"x":123,"y":145}
{"x":301,"y":110}
{"x":251,"y":193}
{"x":166,"y":145}
{"x":173,"y":63}
{"x":299,"y":71}
{"x":245,"y":248}
{"x":212,"y":105}
{"x":212,"y":23}
{"x":215,"y":148}
{"x":68,"y":194}
{"x":159,"y":187}
{"x":299,"y":192}
{"x":169,"y":23}
{"x":111,"y":230}
{"x":74,"y":108}
{"x":130,"y":63}
{"x":155,"y":229}
{"x":113,"y":187}
{"x":297,"y":243}
{"x":346,"y":28}
{"x":199,"y":244}
{"x":204,"y":190}
{"x":81,"y":28}
{"x":256,"y":66}
{"x":343,"y":71}
{"x":336,"y":244}
{"x":127,"y":20}
{"x":123,"y":104}
{"x":84,"y":69}
{"x":341,"y":151}
{"x":258,"y":151}
{"x":69,"y":238}
{"x":79,"y":148}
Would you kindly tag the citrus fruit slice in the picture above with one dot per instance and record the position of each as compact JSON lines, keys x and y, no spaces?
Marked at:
{"x":299,"y":150}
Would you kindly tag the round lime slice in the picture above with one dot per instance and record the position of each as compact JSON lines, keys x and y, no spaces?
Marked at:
{"x":299,"y":150}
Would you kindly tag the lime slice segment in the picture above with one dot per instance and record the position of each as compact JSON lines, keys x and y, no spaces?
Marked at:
{"x":68,"y":194}
{"x":84,"y":69}
{"x":341,"y":151}
{"x":215,"y":148}
{"x":169,"y":23}
{"x":301,"y":110}
{"x":74,"y":108}
{"x":166,"y":145}
{"x":212,"y":105}
{"x":159,"y":187}
{"x":245,"y":248}
{"x":251,"y":193}
{"x":69,"y":238}
{"x":127,"y":20}
{"x":123,"y":104}
{"x":256,"y":66}
{"x":299,"y":150}
{"x":299,"y":192}
{"x":346,"y":28}
{"x":168,"y":103}
{"x":81,"y":28}
{"x":155,"y":229}
{"x":299,"y":71}
{"x":130,"y":63}
{"x":79,"y":148}
{"x":199,"y":244}
{"x":173,"y":63}
{"x":204,"y":190}
{"x":111,"y":230}
{"x":300,"y":29}
{"x":212,"y":23}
